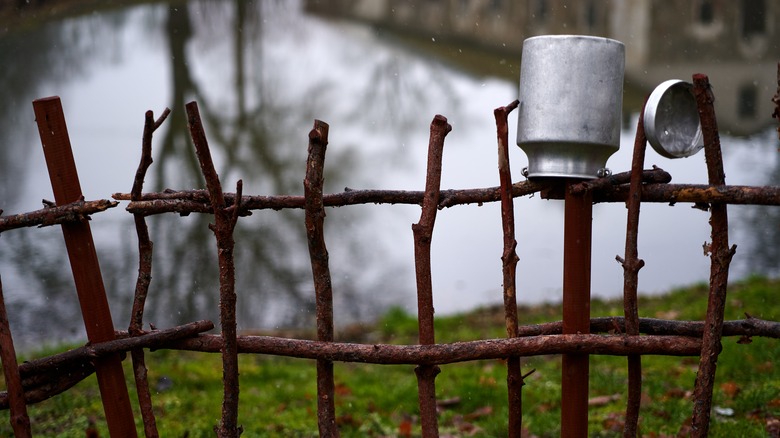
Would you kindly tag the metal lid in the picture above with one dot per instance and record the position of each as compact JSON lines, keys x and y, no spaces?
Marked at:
{"x":672,"y":120}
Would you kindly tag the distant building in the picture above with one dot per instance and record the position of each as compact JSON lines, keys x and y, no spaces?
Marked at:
{"x":735,"y":42}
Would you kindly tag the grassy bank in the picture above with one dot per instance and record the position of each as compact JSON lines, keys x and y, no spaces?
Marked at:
{"x":278,"y":395}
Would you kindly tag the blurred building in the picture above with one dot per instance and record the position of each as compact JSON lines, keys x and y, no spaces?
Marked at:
{"x":735,"y":42}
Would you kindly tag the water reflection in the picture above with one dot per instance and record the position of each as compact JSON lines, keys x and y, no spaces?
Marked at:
{"x":261,"y":71}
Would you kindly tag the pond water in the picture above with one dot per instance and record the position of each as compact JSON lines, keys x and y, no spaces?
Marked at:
{"x":261,"y":73}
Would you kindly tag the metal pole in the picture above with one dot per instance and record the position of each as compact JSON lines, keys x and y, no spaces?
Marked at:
{"x":84,"y":264}
{"x":576,"y":309}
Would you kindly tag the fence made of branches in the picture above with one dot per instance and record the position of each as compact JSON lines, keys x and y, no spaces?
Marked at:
{"x":629,"y":336}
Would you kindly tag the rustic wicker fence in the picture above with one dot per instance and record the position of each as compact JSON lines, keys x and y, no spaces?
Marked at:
{"x":37,"y":380}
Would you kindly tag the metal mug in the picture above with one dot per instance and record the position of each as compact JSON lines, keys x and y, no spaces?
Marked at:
{"x":571,"y":98}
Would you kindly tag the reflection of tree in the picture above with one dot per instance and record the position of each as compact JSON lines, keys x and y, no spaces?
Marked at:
{"x":249,"y":135}
{"x":251,"y":119}
{"x":49,"y":53}
{"x":759,"y":226}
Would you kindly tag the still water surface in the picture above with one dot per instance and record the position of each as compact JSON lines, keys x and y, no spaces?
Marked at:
{"x":261,"y":73}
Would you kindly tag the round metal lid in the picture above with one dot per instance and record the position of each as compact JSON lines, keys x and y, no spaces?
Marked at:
{"x":672,"y":120}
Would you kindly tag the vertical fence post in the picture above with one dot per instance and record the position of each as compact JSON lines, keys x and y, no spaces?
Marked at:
{"x":84,"y":264}
{"x":315,"y":223}
{"x":631,"y":266}
{"x":720,"y":258}
{"x":20,"y":421}
{"x":509,"y":259}
{"x":145,"y":253}
{"x":225,"y":219}
{"x":423,"y":233}
{"x":576,"y":309}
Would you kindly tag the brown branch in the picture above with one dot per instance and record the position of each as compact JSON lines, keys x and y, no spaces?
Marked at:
{"x":73,"y":212}
{"x":509,"y":259}
{"x":318,"y":253}
{"x":20,"y":421}
{"x":185,"y":337}
{"x":440,"y":354}
{"x":51,"y":387}
{"x":695,"y":194}
{"x":631,"y":266}
{"x":223,"y":231}
{"x":660,"y":327}
{"x":196,"y":201}
{"x":423,"y":234}
{"x":145,"y":251}
{"x":720,"y":259}
{"x":78,"y":356}
{"x":46,"y":377}
{"x":532,"y":340}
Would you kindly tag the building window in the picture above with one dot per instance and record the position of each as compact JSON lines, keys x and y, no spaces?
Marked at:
{"x":590,"y":15}
{"x":706,"y":12}
{"x":753,"y":18}
{"x":540,"y":10}
{"x":746,"y":101}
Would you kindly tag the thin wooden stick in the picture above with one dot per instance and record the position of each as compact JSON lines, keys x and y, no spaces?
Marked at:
{"x":423,"y":233}
{"x":72,"y":212}
{"x":514,"y":377}
{"x":224,"y":224}
{"x":323,"y":288}
{"x":440,"y":354}
{"x":720,"y":257}
{"x":145,"y":251}
{"x":196,"y":201}
{"x":20,"y":421}
{"x":631,"y":266}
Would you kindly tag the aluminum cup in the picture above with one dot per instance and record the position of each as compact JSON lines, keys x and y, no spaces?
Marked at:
{"x":571,"y":98}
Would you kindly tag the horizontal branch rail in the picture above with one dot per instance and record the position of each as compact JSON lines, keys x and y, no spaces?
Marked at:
{"x":695,"y":193}
{"x":439,"y":354}
{"x":194,"y":201}
{"x":539,"y":339}
{"x":153,"y":339}
{"x":55,"y":215}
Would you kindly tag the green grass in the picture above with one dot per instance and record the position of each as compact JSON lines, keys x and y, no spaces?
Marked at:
{"x":278,"y":395}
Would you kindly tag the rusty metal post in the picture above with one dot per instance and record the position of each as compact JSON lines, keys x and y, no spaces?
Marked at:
{"x":576,"y":309}
{"x":84,"y":264}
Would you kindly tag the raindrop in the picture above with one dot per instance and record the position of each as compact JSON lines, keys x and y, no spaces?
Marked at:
{"x":433,"y":39}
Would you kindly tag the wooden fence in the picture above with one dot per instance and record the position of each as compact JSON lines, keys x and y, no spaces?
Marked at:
{"x":40,"y":379}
